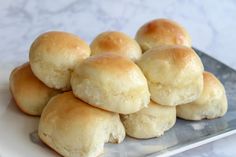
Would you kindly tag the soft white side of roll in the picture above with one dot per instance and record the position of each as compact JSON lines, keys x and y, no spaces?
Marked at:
{"x":174,"y":74}
{"x":211,"y":104}
{"x":149,"y":122}
{"x":75,"y":129}
{"x":53,"y":56}
{"x":111,"y":82}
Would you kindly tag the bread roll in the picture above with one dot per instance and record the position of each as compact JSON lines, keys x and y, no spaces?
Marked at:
{"x":118,"y":43}
{"x":211,"y":104}
{"x":73,"y":128}
{"x":162,"y":32}
{"x":149,"y":122}
{"x":53,"y":56}
{"x":30,"y":94}
{"x":174,"y":74}
{"x":111,"y":82}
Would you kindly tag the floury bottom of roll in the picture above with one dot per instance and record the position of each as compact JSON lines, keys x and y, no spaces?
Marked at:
{"x":211,"y":104}
{"x":149,"y":122}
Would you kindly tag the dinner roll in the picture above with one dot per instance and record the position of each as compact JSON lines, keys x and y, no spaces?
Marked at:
{"x":149,"y":122}
{"x":30,"y":94}
{"x":116,"y":42}
{"x":211,"y":104}
{"x":53,"y":56}
{"x":75,"y":129}
{"x":174,"y":74}
{"x":111,"y":82}
{"x":162,"y":32}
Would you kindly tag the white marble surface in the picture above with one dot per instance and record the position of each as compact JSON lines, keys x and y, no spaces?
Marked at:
{"x":211,"y":24}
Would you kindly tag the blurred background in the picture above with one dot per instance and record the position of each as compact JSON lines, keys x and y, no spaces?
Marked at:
{"x":210,"y":23}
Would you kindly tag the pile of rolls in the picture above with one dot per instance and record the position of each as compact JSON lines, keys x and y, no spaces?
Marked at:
{"x":87,"y":96}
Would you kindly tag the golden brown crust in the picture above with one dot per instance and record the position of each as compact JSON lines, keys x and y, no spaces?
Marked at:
{"x":53,"y":55}
{"x":116,"y":42}
{"x":162,"y":32}
{"x":178,"y":55}
{"x":73,"y":128}
{"x":111,"y":41}
{"x":30,"y":94}
{"x":110,"y":62}
{"x":84,"y":111}
{"x":22,"y":109}
{"x":55,"y":41}
{"x":211,"y":80}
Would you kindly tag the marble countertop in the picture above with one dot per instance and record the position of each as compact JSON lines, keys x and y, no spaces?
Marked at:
{"x":211,"y":25}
